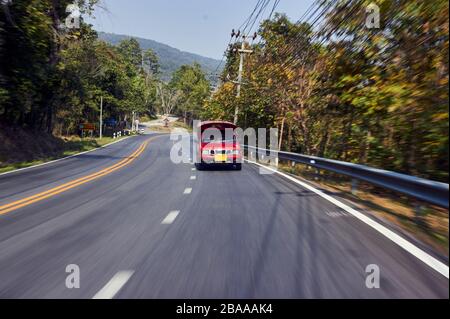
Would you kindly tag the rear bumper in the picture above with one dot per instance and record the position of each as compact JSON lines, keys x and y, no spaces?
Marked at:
{"x":231,"y":159}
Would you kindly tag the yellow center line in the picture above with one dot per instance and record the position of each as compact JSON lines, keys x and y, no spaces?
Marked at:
{"x":71,"y":182}
{"x":77,"y":182}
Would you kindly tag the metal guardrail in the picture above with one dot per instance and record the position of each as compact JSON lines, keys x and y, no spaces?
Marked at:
{"x":432,"y":192}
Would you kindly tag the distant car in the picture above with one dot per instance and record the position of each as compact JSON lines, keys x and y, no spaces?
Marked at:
{"x":216,"y":148}
{"x":141,"y":131}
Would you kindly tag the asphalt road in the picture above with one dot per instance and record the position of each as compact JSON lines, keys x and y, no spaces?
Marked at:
{"x":155,"y":229}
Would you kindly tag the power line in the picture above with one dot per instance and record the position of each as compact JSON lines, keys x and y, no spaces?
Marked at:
{"x":317,"y":34}
{"x":261,"y":11}
{"x":311,"y":15}
{"x":275,"y":5}
{"x":223,"y":58}
{"x":246,"y":23}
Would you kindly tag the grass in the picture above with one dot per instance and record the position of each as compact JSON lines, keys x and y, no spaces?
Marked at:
{"x":71,"y":146}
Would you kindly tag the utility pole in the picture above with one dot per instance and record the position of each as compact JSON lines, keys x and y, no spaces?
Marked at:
{"x":101,"y":116}
{"x":241,"y":68}
{"x":242,"y":53}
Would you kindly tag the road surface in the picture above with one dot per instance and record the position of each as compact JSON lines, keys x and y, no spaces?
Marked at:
{"x":159,"y":121}
{"x":144,"y":227}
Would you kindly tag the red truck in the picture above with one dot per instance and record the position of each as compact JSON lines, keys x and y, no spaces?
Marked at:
{"x":218,"y":145}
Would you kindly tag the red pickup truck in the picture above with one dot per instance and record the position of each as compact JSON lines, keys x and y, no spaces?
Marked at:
{"x":218,"y":145}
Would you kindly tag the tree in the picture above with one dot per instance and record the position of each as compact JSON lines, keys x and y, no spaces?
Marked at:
{"x":361,"y":95}
{"x":194,"y":88}
{"x":168,"y":97}
{"x":53,"y":77}
{"x":151,"y":64}
{"x":131,"y":51}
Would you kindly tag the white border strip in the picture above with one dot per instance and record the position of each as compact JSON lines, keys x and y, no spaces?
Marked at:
{"x":403,"y":243}
{"x":64,"y":158}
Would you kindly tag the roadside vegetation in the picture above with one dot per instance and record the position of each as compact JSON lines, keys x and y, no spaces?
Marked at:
{"x":21,"y":148}
{"x":372,"y":96}
{"x":52,"y":79}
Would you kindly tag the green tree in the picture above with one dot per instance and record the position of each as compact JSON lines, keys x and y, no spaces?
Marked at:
{"x":372,"y":96}
{"x":194,"y":88}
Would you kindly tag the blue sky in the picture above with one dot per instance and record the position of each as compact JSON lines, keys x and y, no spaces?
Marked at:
{"x":197,"y":26}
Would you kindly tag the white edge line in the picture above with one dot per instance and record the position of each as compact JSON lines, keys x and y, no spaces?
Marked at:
{"x":170,"y":217}
{"x":400,"y":241}
{"x":64,"y":158}
{"x":114,"y":285}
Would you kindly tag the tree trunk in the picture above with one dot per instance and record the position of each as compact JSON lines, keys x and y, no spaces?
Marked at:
{"x":289,"y":146}
{"x":323,"y":142}
{"x":281,"y":133}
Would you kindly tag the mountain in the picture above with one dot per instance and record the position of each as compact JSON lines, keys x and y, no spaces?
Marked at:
{"x":170,"y":59}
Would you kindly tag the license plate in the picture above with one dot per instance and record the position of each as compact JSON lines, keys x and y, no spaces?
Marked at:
{"x":220,"y":158}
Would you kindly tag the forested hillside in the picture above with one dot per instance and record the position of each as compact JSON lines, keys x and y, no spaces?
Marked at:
{"x":170,"y":59}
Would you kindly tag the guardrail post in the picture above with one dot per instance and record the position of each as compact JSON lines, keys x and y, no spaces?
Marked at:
{"x":317,"y":174}
{"x":355,"y":184}
{"x":420,"y":212}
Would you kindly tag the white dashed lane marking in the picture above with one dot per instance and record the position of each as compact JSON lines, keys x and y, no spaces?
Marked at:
{"x":187,"y":190}
{"x":114,"y":285}
{"x":193,"y":177}
{"x":170,"y":217}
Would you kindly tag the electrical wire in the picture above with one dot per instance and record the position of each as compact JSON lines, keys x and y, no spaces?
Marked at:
{"x":318,"y":35}
{"x":243,"y":25}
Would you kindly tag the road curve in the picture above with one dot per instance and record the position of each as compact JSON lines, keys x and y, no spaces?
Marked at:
{"x":155,"y":229}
